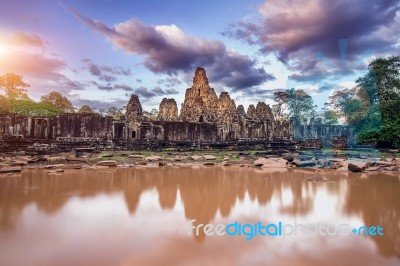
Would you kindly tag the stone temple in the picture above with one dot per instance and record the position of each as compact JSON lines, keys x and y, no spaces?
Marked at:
{"x":203,"y":117}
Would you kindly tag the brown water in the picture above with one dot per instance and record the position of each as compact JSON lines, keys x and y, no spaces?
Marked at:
{"x":140,"y":217}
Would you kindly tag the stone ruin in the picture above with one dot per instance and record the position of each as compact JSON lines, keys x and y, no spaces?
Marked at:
{"x":204,"y":117}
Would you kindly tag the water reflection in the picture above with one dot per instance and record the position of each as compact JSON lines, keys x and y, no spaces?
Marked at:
{"x":208,"y":195}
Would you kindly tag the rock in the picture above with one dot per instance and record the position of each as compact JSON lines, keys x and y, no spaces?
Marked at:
{"x":373,"y":168}
{"x":37,"y":159}
{"x":162,"y":163}
{"x":310,"y":163}
{"x":392,"y":169}
{"x":15,"y":169}
{"x":109,"y":163}
{"x":18,"y":163}
{"x":136,"y":156}
{"x":71,"y":166}
{"x":385,"y":163}
{"x":77,"y":160}
{"x":196,"y":158}
{"x":52,"y":166}
{"x":269,"y":163}
{"x":209,"y":157}
{"x":153,"y":158}
{"x":317,"y":178}
{"x":168,"y":110}
{"x":143,"y":163}
{"x":107,"y":155}
{"x":354,"y":168}
{"x":289,"y":158}
{"x":209,"y":163}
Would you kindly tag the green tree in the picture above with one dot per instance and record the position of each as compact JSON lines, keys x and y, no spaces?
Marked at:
{"x":59,"y":101}
{"x":300,"y":103}
{"x":115,"y":113}
{"x":14,"y":87}
{"x":279,"y":109}
{"x":85,"y":109}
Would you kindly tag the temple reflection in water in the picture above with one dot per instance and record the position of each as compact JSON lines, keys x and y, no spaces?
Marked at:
{"x":207,"y":193}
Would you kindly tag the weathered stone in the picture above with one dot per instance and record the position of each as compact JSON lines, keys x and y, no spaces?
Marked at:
{"x":309,"y":163}
{"x":15,"y":169}
{"x":208,"y":163}
{"x":168,"y":110}
{"x":263,"y":112}
{"x":240,"y":111}
{"x":152,"y":158}
{"x":162,"y":163}
{"x":52,"y":166}
{"x":136,"y":156}
{"x":201,"y":101}
{"x":109,"y":163}
{"x":209,"y":157}
{"x":251,"y":111}
{"x":196,"y":158}
{"x":80,"y":160}
{"x":354,"y":168}
{"x":226,"y":108}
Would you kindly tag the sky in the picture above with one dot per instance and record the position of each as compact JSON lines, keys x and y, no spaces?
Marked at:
{"x":100,"y":52}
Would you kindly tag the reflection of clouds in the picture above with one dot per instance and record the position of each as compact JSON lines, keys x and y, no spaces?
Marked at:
{"x":140,"y":215}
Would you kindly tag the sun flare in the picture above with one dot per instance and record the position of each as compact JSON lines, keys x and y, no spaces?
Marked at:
{"x":3,"y":49}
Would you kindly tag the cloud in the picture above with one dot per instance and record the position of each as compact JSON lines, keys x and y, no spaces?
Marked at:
{"x":167,"y":49}
{"x":23,"y":39}
{"x":106,"y":73}
{"x":123,"y":87}
{"x":296,"y":31}
{"x":170,"y":82}
{"x":143,"y":92}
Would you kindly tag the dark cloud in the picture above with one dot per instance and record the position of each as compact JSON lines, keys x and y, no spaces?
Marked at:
{"x":139,"y":80}
{"x":106,"y":73}
{"x":238,"y":72}
{"x":170,"y":82}
{"x":297,"y":31}
{"x":143,"y":92}
{"x":105,"y":88}
{"x":167,"y":49}
{"x":123,"y":87}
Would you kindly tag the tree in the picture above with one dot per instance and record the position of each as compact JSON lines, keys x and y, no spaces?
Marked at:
{"x":59,"y":101}
{"x":14,"y":87}
{"x":330,"y":117}
{"x":373,"y":106}
{"x":115,"y":113}
{"x":279,"y":109}
{"x":300,"y":103}
{"x":85,"y":109}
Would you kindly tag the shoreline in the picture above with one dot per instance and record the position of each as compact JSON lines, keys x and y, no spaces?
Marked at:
{"x":341,"y":161}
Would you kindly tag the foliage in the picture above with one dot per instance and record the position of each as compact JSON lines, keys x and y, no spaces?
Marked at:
{"x":300,"y":103}
{"x":59,"y":101}
{"x":27,"y":107}
{"x":85,"y":109}
{"x":279,"y":109}
{"x":14,"y":87}
{"x":373,"y":106}
{"x":115,"y":113}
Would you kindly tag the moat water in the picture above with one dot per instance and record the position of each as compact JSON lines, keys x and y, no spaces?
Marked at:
{"x":140,"y":216}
